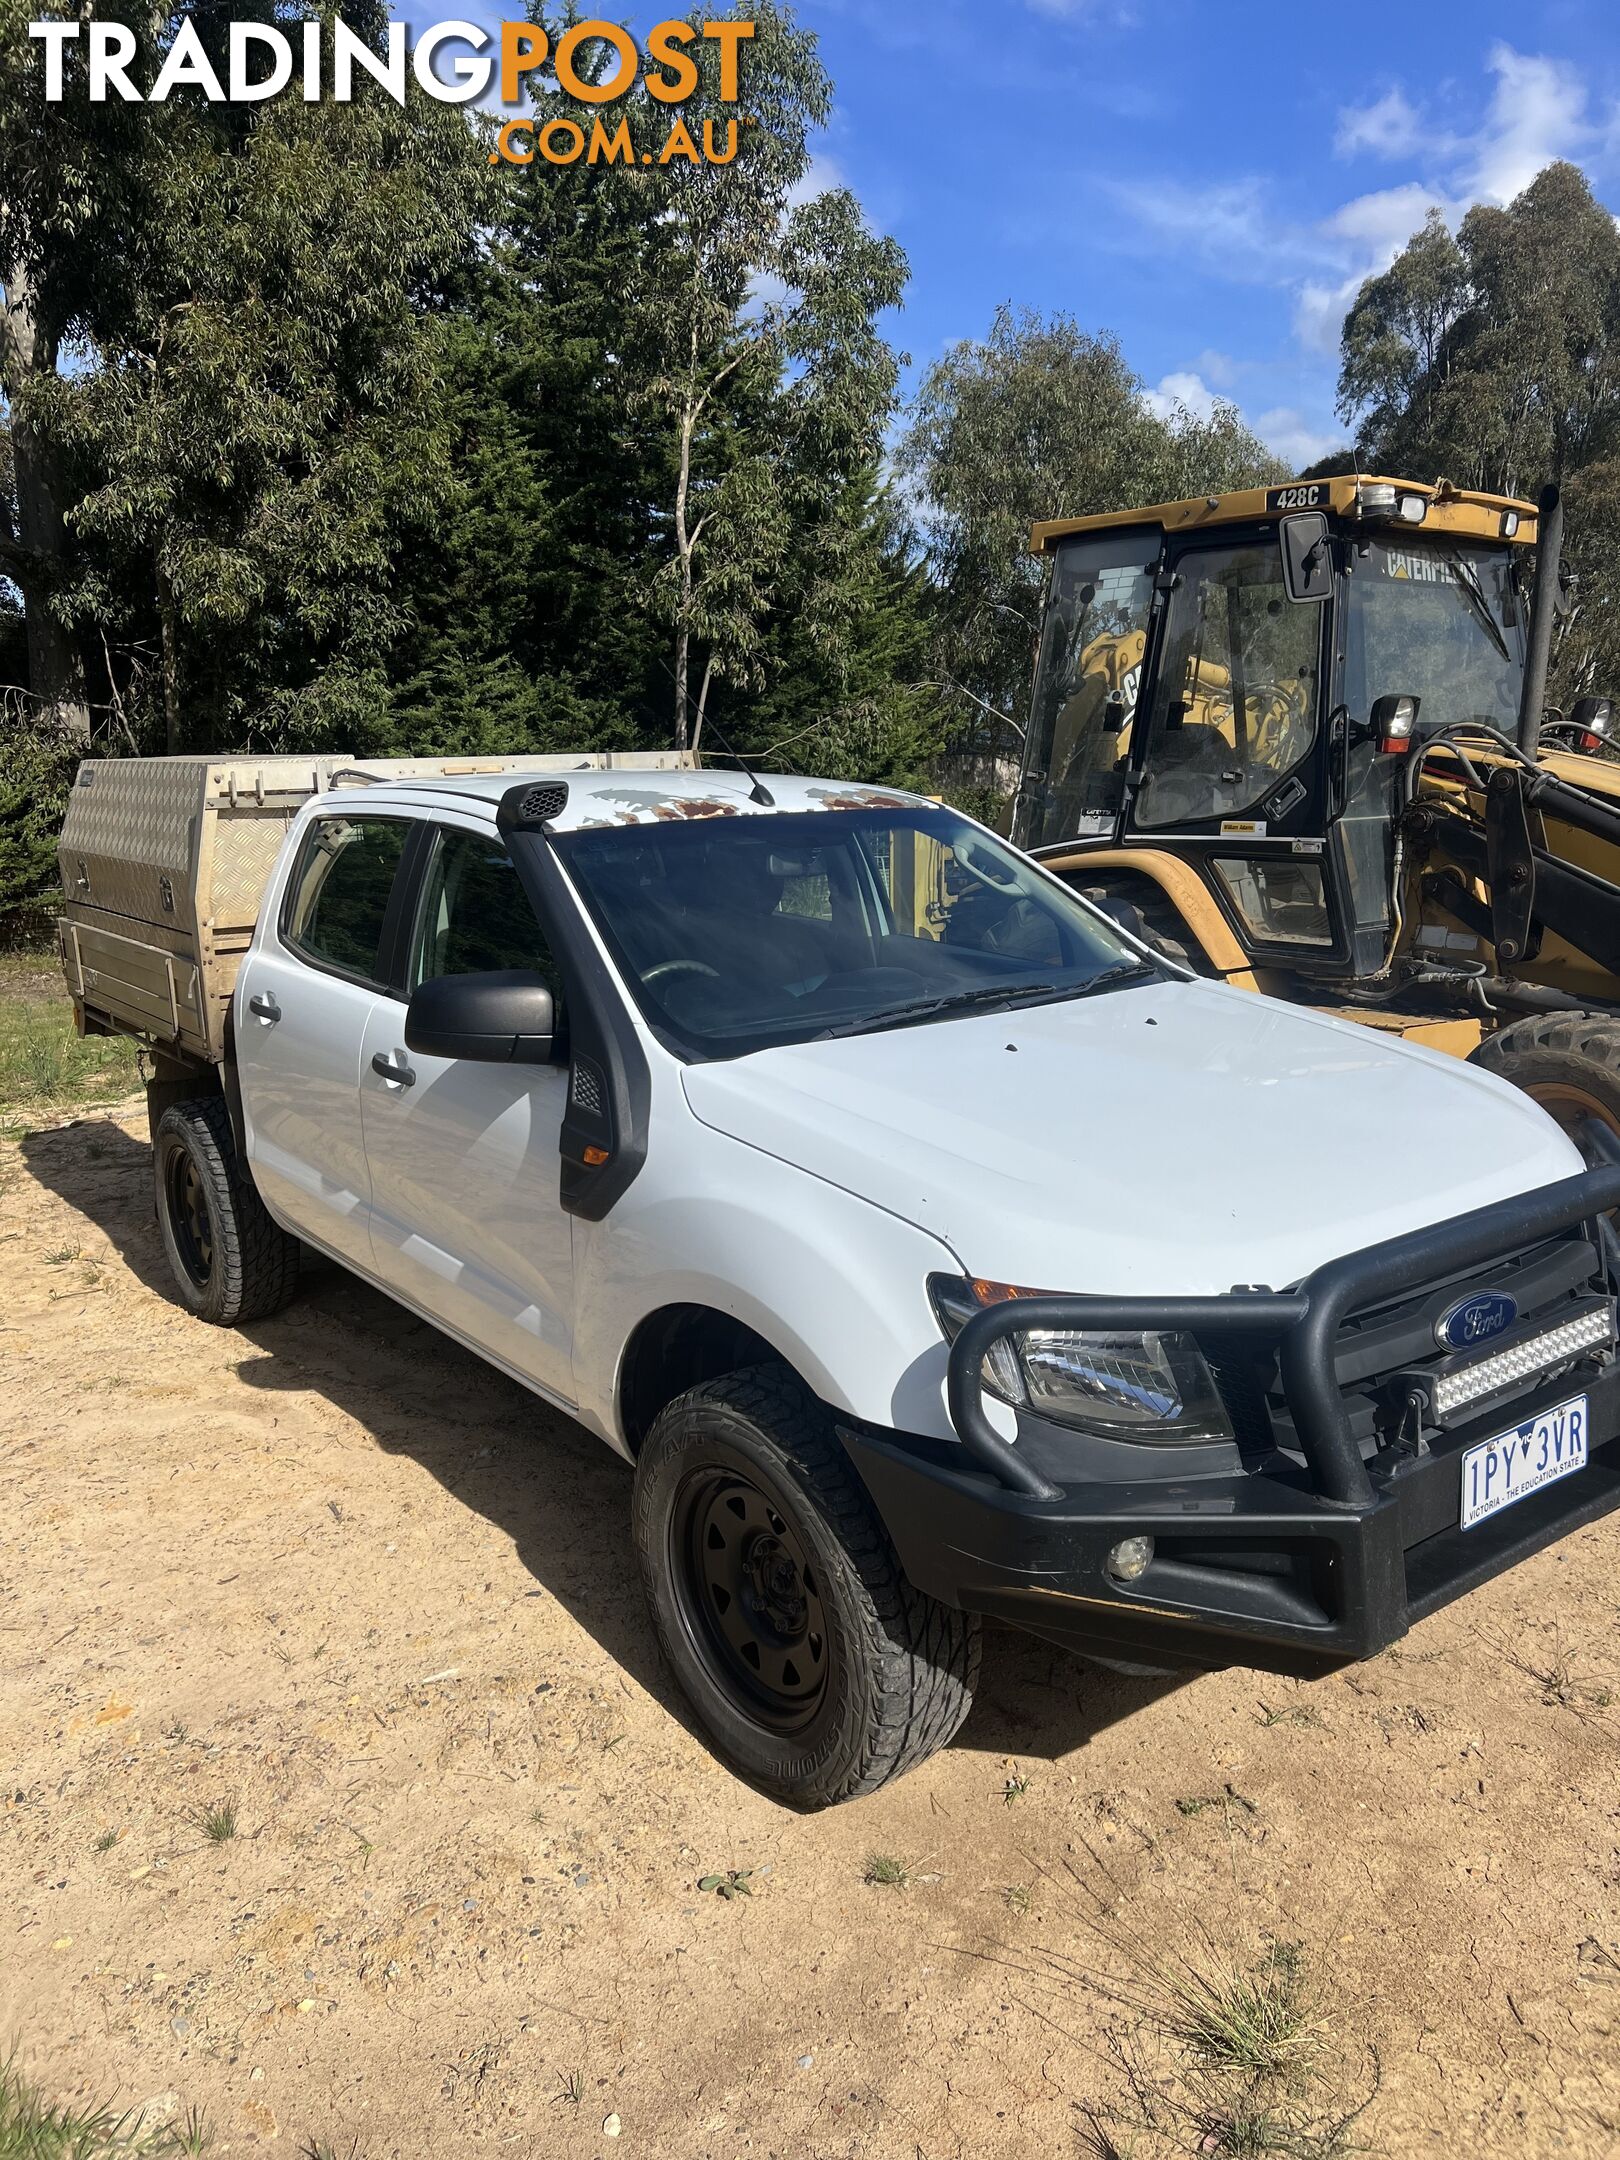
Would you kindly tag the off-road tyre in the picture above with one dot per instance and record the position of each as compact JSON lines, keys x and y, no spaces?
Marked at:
{"x":897,"y":1668}
{"x":1570,"y":1064}
{"x":1157,"y":919}
{"x":242,"y":1266}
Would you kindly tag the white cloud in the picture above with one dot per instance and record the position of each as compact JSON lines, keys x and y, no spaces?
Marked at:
{"x":1537,"y":114}
{"x":1391,"y":127}
{"x":1186,"y":388}
{"x":1287,"y":431}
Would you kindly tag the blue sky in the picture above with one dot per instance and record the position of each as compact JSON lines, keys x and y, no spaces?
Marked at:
{"x":1208,"y":179}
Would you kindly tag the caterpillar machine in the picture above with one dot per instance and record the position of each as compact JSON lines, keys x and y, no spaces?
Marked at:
{"x":1298,"y":736}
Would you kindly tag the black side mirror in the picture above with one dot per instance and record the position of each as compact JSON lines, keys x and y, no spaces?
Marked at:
{"x":504,"y":1017}
{"x":1390,"y":724}
{"x":1307,"y":556}
{"x":1593,"y":716}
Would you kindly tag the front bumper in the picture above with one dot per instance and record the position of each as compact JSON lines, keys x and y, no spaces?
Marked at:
{"x":1289,"y":1568}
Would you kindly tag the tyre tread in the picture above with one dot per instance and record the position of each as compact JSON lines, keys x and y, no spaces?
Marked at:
{"x":257,"y":1262}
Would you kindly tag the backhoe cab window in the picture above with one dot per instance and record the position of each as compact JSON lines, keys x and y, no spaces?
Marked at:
{"x":1235,"y":706}
{"x":1436,"y":621}
{"x":1085,"y":697}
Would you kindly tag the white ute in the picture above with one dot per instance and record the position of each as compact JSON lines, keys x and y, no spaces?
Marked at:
{"x":930,"y":1247}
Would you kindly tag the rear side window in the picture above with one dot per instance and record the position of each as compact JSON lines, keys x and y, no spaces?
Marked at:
{"x":338,"y":900}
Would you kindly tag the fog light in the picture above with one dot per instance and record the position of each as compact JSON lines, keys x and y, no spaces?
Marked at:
{"x":1130,"y":1559}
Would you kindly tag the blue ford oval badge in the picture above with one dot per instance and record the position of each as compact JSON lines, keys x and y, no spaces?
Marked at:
{"x":1475,"y":1319}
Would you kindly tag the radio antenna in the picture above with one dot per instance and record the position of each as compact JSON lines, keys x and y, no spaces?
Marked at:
{"x":759,"y":792}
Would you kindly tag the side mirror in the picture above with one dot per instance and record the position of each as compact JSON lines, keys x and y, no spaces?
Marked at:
{"x":1307,"y":556}
{"x":504,"y":1017}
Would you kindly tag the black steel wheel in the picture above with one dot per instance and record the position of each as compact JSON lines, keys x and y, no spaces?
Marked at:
{"x":229,"y":1259}
{"x":749,"y":1597}
{"x":816,"y":1670}
{"x":189,"y":1220}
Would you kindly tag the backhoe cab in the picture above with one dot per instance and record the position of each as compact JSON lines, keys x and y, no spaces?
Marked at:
{"x":1298,"y":735}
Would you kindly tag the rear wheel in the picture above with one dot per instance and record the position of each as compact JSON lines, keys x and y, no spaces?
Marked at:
{"x":1570,"y":1064}
{"x":816,"y":1669}
{"x":230,"y":1261}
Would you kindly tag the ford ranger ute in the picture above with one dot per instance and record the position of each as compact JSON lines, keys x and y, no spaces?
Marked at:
{"x":931,"y":1247}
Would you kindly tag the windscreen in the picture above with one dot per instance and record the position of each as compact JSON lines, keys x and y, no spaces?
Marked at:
{"x":735,"y":935}
{"x":1085,"y":691}
{"x":1438,"y":621}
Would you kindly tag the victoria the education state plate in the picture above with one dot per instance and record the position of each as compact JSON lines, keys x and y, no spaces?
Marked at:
{"x":1515,"y":1464}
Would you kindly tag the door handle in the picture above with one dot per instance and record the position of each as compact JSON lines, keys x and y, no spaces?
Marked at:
{"x":400,"y":1074}
{"x":264,"y":1008}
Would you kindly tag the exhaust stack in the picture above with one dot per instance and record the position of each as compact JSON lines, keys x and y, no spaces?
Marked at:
{"x":1543,"y":606}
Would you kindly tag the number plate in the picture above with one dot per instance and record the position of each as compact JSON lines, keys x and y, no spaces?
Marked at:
{"x":1498,"y":1472}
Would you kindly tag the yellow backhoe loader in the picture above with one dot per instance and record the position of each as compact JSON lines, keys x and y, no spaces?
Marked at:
{"x":1298,"y":736}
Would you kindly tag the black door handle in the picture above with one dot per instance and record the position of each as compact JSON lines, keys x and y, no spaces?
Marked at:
{"x":265,"y":1007}
{"x":401,"y":1075}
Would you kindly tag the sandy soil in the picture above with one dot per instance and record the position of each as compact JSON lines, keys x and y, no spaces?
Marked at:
{"x":333,"y":1572}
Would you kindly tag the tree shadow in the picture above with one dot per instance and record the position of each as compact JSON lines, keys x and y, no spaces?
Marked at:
{"x":553,"y":1488}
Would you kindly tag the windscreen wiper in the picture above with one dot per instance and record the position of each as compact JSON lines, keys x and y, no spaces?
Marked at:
{"x":1466,"y":579}
{"x":989,"y":995}
{"x":925,"y":1008}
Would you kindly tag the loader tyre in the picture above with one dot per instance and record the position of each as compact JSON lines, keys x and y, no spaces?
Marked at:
{"x":1570,"y":1064}
{"x":816,"y":1670}
{"x":1148,"y":910}
{"x":230,"y":1261}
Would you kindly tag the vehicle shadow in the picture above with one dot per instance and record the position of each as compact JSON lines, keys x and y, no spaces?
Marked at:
{"x":555,"y":1490}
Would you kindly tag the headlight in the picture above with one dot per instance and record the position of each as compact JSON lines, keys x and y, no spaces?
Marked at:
{"x":1152,"y":1386}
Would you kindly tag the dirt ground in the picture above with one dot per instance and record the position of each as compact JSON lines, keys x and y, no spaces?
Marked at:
{"x":334,"y":1574}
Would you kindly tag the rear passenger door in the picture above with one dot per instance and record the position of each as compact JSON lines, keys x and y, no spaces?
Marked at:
{"x":303,"y":998}
{"x":464,"y":1158}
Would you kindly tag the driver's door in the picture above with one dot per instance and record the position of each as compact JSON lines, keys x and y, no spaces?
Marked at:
{"x":466,"y":1218}
{"x":1228,"y":764}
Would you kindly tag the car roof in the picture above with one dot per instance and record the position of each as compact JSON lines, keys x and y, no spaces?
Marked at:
{"x":628,"y":797}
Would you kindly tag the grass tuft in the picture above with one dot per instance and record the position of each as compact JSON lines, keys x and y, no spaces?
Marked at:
{"x":42,"y":1061}
{"x":33,"y":2128}
{"x":218,"y":1823}
{"x":884,"y":1868}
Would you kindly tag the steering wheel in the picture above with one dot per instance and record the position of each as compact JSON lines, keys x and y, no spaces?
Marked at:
{"x":666,"y":968}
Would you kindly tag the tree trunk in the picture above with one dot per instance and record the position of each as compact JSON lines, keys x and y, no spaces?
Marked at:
{"x":171,"y":666}
{"x":55,"y":664}
{"x":702,"y":704}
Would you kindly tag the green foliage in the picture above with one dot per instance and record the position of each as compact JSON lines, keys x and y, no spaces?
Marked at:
{"x":38,"y":758}
{"x":1041,"y":419}
{"x":1495,"y":358}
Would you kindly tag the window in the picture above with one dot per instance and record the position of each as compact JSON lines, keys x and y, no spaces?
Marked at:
{"x":1438,"y":622}
{"x":1279,"y":902}
{"x":1085,"y":697}
{"x":1235,"y":706}
{"x":340,"y":891}
{"x":736,"y":934}
{"x":474,"y":914}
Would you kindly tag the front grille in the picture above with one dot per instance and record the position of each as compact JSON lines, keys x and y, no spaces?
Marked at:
{"x":1391,"y":1367}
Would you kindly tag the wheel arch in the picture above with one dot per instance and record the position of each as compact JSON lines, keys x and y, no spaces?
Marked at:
{"x":676,"y":1347}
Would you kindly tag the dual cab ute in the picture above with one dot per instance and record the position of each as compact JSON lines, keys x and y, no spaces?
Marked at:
{"x":931,"y":1247}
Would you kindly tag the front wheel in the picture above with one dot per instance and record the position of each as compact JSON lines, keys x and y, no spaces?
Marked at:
{"x":231,"y":1262}
{"x":1570,"y":1064}
{"x":816,"y":1669}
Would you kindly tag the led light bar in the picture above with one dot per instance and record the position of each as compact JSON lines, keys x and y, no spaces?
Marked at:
{"x":1489,"y":1375}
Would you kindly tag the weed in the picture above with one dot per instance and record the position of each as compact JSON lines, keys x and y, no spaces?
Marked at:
{"x":884,"y":1868}
{"x":1195,"y":1803}
{"x":1013,"y":1786}
{"x":218,"y":1823}
{"x":33,"y":2128}
{"x":106,"y":1841}
{"x":60,"y":1255}
{"x":1016,"y":1898}
{"x":570,"y":2087}
{"x":1300,"y":1714}
{"x":1562,"y":1687}
{"x":323,"y":2149}
{"x":731,"y":1884}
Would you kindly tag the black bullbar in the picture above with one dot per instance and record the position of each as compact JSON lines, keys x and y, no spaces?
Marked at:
{"x":1295,"y":1570}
